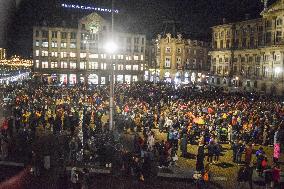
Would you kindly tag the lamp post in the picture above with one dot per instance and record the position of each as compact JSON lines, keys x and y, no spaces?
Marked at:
{"x":111,"y":48}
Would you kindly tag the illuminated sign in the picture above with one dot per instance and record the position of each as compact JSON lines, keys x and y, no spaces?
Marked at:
{"x":72,"y":6}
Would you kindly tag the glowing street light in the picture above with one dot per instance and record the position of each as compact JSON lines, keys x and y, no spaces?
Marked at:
{"x":278,"y":70}
{"x":110,"y":47}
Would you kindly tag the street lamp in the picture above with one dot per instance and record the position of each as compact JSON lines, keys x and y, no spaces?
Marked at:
{"x":110,"y":48}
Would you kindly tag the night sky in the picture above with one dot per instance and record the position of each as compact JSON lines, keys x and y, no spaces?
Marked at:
{"x":146,"y":16}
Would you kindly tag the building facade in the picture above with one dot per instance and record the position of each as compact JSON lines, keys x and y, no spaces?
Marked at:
{"x":72,"y":55}
{"x":249,"y":55}
{"x":178,"y":60}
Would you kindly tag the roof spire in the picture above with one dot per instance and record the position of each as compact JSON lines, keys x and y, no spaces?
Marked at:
{"x":264,"y":4}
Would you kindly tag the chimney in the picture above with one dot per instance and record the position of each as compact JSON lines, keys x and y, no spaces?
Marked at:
{"x":247,"y":16}
{"x":224,"y":21}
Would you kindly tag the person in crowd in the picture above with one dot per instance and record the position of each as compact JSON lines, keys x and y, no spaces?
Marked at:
{"x":248,"y":153}
{"x":217,"y":148}
{"x":200,"y":157}
{"x":210,"y":151}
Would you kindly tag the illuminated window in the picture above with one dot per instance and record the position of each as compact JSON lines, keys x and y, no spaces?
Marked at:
{"x":128,"y":67}
{"x":83,"y":55}
{"x":142,"y":57}
{"x":94,"y":56}
{"x":135,"y":67}
{"x":93,"y":65}
{"x":37,"y":52}
{"x":72,"y":45}
{"x":54,"y":54}
{"x":120,"y":67}
{"x":64,"y":65}
{"x":142,"y":67}
{"x":168,"y":62}
{"x":44,"y":53}
{"x":44,"y":64}
{"x":103,"y":66}
{"x":83,"y":65}
{"x":136,"y":57}
{"x":44,"y":43}
{"x":103,"y":56}
{"x":120,"y":57}
{"x":73,"y":65}
{"x":63,"y":45}
{"x":63,"y":54}
{"x":53,"y":44}
{"x":37,"y":63}
{"x":72,"y":55}
{"x":53,"y":65}
{"x":37,"y":43}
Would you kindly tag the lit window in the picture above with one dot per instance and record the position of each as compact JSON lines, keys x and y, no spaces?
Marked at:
{"x":37,"y":63}
{"x":64,"y":65}
{"x":94,"y":56}
{"x":120,"y":67}
{"x":53,"y":44}
{"x":168,"y":62}
{"x":142,"y":67}
{"x":44,"y":64}
{"x":44,"y":53}
{"x":93,"y":65}
{"x":194,"y":51}
{"x":136,"y":57}
{"x":53,"y":65}
{"x":37,"y":43}
{"x":120,"y":57}
{"x":73,"y":65}
{"x":83,"y":55}
{"x":63,"y":45}
{"x":73,"y":45}
{"x":72,"y":55}
{"x":37,"y":52}
{"x":63,"y":54}
{"x":128,"y":67}
{"x":44,"y":43}
{"x":103,"y":66}
{"x":142,"y":57}
{"x":103,"y":56}
{"x":130,"y":58}
{"x":83,"y":65}
{"x":135,"y":67}
{"x":54,"y":54}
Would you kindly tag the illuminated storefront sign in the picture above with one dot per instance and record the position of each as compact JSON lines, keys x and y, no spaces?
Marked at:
{"x":73,"y":6}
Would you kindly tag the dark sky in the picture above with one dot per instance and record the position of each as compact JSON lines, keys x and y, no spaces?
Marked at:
{"x":147,"y":16}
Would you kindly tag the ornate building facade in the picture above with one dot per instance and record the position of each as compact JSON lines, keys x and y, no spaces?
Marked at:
{"x":72,"y":55}
{"x":249,"y":55}
{"x":178,"y":60}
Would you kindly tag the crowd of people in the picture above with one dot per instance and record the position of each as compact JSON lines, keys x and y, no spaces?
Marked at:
{"x":206,"y":118}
